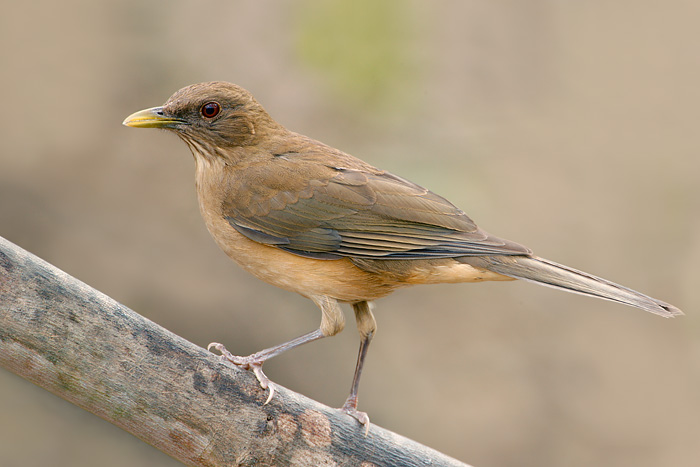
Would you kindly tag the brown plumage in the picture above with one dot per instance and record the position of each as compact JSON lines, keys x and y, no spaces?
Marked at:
{"x":311,"y":219}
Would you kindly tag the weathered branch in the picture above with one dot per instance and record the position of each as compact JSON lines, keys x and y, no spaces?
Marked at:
{"x":94,"y":352}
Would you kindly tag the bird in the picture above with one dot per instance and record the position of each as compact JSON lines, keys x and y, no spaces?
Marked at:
{"x":314,"y":220}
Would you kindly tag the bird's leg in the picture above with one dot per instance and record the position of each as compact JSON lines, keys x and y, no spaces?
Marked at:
{"x":255,"y":361}
{"x":332,"y":322}
{"x":367,"y":326}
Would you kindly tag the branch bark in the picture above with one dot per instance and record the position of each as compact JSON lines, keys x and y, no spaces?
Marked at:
{"x":85,"y":347}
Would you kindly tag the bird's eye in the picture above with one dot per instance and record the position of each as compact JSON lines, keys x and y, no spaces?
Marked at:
{"x":210,"y":109}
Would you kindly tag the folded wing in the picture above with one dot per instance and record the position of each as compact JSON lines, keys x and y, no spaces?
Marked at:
{"x":355,"y":213}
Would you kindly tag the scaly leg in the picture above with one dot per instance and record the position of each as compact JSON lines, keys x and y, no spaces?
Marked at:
{"x":332,"y":322}
{"x":367,"y":326}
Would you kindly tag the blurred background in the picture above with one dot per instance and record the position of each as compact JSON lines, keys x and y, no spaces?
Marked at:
{"x":570,"y":127}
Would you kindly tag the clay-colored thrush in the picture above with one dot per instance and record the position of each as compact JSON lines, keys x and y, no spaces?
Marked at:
{"x":313,"y":220}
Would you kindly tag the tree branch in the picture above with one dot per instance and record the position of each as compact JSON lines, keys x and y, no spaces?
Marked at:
{"x":94,"y":352}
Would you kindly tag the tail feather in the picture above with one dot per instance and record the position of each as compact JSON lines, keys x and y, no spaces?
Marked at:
{"x":549,"y":273}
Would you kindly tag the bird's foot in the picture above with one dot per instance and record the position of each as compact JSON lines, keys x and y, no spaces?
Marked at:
{"x":350,"y":408}
{"x":251,"y":362}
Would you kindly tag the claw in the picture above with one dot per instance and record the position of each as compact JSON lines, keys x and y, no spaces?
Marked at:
{"x":271,"y":387}
{"x":265,"y":382}
{"x":250,"y":363}
{"x":361,"y":417}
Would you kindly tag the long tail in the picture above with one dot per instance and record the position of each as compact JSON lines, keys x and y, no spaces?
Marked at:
{"x":549,"y":273}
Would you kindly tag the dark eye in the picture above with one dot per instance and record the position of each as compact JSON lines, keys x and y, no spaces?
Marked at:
{"x":210,"y":109}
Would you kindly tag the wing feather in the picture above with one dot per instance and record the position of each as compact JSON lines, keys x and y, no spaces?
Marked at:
{"x":354,"y":213}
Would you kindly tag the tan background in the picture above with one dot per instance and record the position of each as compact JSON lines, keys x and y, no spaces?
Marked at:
{"x":571,"y":127}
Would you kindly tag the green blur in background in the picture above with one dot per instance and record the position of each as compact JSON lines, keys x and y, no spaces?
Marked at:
{"x":570,"y":127}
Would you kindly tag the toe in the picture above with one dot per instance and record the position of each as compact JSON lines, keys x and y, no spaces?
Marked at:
{"x":361,"y":417}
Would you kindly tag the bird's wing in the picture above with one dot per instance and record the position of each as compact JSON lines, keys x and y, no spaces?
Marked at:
{"x":332,"y":212}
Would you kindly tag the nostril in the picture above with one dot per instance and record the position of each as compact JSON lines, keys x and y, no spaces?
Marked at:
{"x":160,"y":112}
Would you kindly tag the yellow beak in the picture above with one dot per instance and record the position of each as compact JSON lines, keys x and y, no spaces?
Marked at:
{"x":152,"y":118}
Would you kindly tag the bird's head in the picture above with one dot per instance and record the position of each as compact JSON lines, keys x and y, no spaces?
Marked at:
{"x":210,"y":117}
